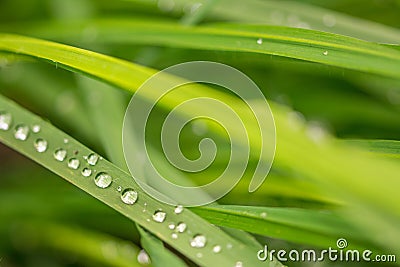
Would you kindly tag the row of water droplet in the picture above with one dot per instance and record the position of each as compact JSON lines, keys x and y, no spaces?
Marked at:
{"x":103,"y":180}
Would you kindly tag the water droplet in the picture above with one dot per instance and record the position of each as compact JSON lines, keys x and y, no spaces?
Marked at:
{"x":171,"y":226}
{"x":129,"y":196}
{"x":119,"y":188}
{"x":66,"y":141}
{"x":21,"y":132}
{"x":199,"y":255}
{"x":166,"y":5}
{"x":178,"y":209}
{"x":263,"y":214}
{"x":143,"y":257}
{"x":148,"y":220}
{"x":229,"y":246}
{"x":325,"y":53}
{"x":181,"y":227}
{"x":259,"y":41}
{"x":92,"y":159}
{"x":198,"y":241}
{"x":60,"y":154}
{"x":36,"y":128}
{"x":40,"y":145}
{"x":86,"y":172}
{"x":103,"y":180}
{"x":73,"y":163}
{"x":5,"y":121}
{"x":316,"y":131}
{"x":174,"y":236}
{"x":159,"y":216}
{"x":329,"y":20}
{"x":239,"y":264}
{"x":217,"y":249}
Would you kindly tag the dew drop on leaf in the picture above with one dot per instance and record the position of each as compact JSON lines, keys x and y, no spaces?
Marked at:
{"x":21,"y":132}
{"x":86,"y":172}
{"x":171,"y":226}
{"x":92,"y":159}
{"x":103,"y":180}
{"x":198,"y":241}
{"x":181,"y":227}
{"x":174,"y":236}
{"x":129,"y":196}
{"x":325,"y":53}
{"x":36,"y":128}
{"x":73,"y":163}
{"x":60,"y":154}
{"x":239,"y":264}
{"x":178,"y":209}
{"x":119,"y":188}
{"x":217,"y":249}
{"x":159,"y":216}
{"x":143,"y":257}
{"x":40,"y":145}
{"x":5,"y":121}
{"x":259,"y":41}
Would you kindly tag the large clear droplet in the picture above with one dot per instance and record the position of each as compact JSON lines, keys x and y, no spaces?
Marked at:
{"x":217,"y":249}
{"x":5,"y":121}
{"x":181,"y":227}
{"x":21,"y":132}
{"x":178,"y":209}
{"x":86,"y":172}
{"x":92,"y":159}
{"x":73,"y":163}
{"x":103,"y":180}
{"x":60,"y":154}
{"x":40,"y":145}
{"x":129,"y":196}
{"x":198,"y":241}
{"x":159,"y":216}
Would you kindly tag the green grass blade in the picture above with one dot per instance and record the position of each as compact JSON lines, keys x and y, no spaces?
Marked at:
{"x":386,"y":148}
{"x":160,"y":256}
{"x":311,"y":227}
{"x":111,"y":196}
{"x":320,"y":47}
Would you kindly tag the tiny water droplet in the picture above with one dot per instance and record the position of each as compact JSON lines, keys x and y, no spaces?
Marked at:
{"x":143,"y":257}
{"x":103,"y":180}
{"x":171,"y":226}
{"x":199,"y":255}
{"x":178,"y":209}
{"x":129,"y":196}
{"x":263,"y":214}
{"x":229,"y":246}
{"x":239,"y":264}
{"x":86,"y":172}
{"x":148,"y":220}
{"x":174,"y":236}
{"x":36,"y":128}
{"x":159,"y":216}
{"x":40,"y":145}
{"x":217,"y":249}
{"x":92,"y":159}
{"x":198,"y":241}
{"x":73,"y":163}
{"x":66,"y":141}
{"x":259,"y":41}
{"x":60,"y":154}
{"x":119,"y":188}
{"x":5,"y":120}
{"x":181,"y":227}
{"x":325,"y":53}
{"x":21,"y":132}
{"x":166,"y":5}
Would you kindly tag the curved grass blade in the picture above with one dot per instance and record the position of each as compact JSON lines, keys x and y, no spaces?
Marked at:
{"x":313,"y":227}
{"x":144,"y":208}
{"x":314,"y":46}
